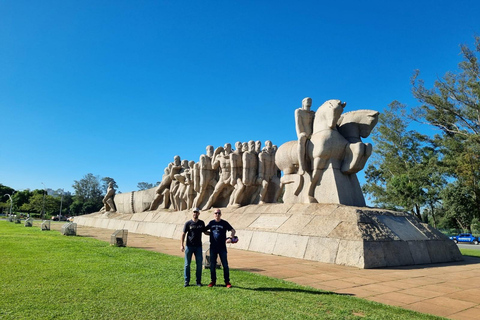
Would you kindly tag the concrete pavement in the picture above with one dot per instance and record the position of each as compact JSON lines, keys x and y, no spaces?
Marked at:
{"x":449,"y":290}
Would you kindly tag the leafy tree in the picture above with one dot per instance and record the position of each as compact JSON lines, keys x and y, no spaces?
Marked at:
{"x":145,"y":185}
{"x":453,"y":106}
{"x":88,"y":192}
{"x":402,"y":174}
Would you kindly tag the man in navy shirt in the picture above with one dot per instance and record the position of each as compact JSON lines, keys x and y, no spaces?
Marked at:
{"x":218,"y":236}
{"x":193,"y":230}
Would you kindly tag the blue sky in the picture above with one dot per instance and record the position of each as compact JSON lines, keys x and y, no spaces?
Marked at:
{"x":117,"y":88}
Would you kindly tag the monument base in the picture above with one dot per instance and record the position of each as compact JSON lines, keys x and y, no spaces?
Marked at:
{"x":331,"y":233}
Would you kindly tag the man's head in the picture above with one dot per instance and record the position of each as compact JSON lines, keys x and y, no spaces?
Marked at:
{"x":209,"y":150}
{"x":217,"y":214}
{"x":238,"y":146}
{"x":177,"y":161}
{"x":258,"y":146}
{"x":306,"y":103}
{"x":268,"y":145}
{"x":228,"y":148}
{"x":196,"y":213}
{"x":251,"y":145}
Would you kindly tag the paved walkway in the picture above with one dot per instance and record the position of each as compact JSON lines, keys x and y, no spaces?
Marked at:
{"x":448,"y":290}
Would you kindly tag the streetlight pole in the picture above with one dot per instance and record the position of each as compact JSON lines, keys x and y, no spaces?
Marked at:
{"x":43,"y":203}
{"x":61,"y":202}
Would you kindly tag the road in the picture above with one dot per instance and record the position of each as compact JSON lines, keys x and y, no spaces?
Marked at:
{"x":468,"y":246}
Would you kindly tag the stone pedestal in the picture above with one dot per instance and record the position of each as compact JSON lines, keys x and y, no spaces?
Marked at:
{"x":353,"y":236}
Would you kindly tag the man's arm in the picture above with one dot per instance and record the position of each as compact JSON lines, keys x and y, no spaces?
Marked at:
{"x":183,"y":241}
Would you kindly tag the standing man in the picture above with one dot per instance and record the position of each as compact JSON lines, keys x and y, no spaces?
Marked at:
{"x":193,"y":230}
{"x":218,"y":236}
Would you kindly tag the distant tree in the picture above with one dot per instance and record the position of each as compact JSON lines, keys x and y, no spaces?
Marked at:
{"x":145,"y":185}
{"x":88,"y":192}
{"x":403,"y":173}
{"x":453,"y":106}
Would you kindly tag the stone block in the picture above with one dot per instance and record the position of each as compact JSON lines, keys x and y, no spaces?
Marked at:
{"x":397,"y":253}
{"x":419,"y":252}
{"x":350,"y":253}
{"x":320,"y":226}
{"x":373,"y":255}
{"x":295,"y":224}
{"x":322,"y":249}
{"x":263,"y":241}
{"x":290,"y":245}
{"x":346,"y":230}
{"x":269,"y":222}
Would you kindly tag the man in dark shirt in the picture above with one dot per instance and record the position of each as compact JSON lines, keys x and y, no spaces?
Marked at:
{"x":218,"y":235}
{"x":193,"y":230}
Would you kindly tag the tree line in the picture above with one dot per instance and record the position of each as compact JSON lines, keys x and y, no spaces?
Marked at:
{"x":87,"y":198}
{"x":436,"y":178}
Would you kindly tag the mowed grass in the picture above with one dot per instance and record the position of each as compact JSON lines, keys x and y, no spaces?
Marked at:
{"x":470,"y":252}
{"x":45,"y":275}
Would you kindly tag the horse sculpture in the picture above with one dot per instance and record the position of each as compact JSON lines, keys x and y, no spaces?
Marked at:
{"x":335,"y":153}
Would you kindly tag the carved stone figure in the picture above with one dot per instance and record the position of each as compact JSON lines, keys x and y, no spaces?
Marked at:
{"x":108,"y":203}
{"x":175,"y":184}
{"x":208,"y":178}
{"x":223,"y":188}
{"x":336,"y":153}
{"x":236,"y":178}
{"x":304,"y":127}
{"x":250,"y":174}
{"x":162,"y":193}
{"x":268,"y":174}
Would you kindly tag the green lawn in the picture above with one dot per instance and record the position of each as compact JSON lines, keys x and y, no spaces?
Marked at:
{"x":470,"y":252}
{"x":45,"y":275}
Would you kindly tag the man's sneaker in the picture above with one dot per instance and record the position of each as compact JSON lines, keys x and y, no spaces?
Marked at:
{"x":211,"y":284}
{"x":186,"y":284}
{"x":199,"y":284}
{"x":228,"y":285}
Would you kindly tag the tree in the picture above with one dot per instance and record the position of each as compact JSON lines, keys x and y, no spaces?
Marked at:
{"x":88,"y":192}
{"x":146,"y":185}
{"x":453,"y":106}
{"x":403,"y":173}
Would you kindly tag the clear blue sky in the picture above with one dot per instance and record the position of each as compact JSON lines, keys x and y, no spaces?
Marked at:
{"x":117,"y":88}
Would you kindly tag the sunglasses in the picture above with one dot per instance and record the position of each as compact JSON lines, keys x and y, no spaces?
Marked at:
{"x":217,"y":213}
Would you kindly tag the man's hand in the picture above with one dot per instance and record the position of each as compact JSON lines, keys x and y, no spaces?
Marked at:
{"x":182,"y":248}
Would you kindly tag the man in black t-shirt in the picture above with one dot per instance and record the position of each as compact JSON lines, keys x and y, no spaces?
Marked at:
{"x":218,"y":236}
{"x":193,"y":230}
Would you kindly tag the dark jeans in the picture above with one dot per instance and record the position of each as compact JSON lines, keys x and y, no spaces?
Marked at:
{"x":189,"y":251}
{"x":222,"y":252}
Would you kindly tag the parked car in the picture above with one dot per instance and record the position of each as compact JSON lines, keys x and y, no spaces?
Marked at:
{"x":465,"y":237}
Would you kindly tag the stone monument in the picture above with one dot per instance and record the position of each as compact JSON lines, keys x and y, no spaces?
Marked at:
{"x":323,"y":216}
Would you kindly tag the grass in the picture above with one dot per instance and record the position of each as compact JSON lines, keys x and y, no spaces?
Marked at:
{"x":470,"y":252}
{"x":45,"y":275}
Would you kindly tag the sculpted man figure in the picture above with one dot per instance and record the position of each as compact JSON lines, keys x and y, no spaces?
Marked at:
{"x":304,"y":125}
{"x":162,"y":193}
{"x":267,"y":174}
{"x":108,"y":203}
{"x":207,"y":178}
{"x":236,"y":178}
{"x":221,"y":160}
{"x":176,"y":169}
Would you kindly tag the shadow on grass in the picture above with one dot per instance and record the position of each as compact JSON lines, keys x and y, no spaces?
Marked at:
{"x":315,"y":292}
